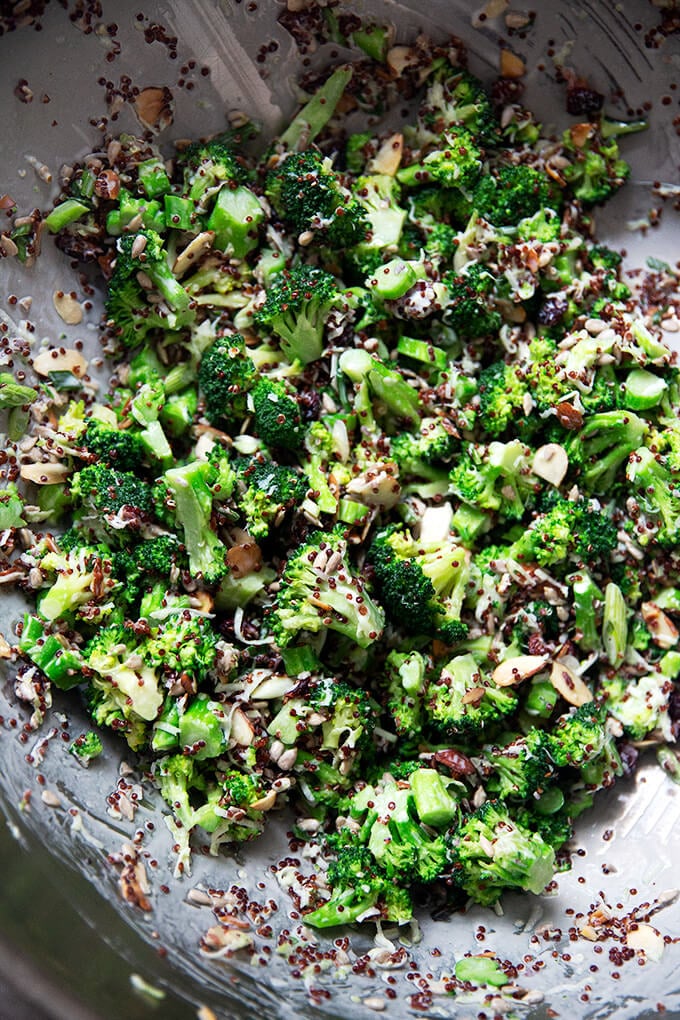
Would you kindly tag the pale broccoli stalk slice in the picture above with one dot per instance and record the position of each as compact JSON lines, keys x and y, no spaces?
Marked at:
{"x":387,"y":387}
{"x":236,"y":218}
{"x":614,"y":625}
{"x":193,"y":507}
{"x":122,"y":675}
{"x":493,"y":853}
{"x":641,"y":704}
{"x":588,"y":600}
{"x":319,"y":591}
{"x":314,"y":116}
{"x":404,"y":681}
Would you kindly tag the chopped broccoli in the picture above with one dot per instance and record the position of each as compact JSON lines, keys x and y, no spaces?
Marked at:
{"x":225,"y":376}
{"x":86,"y":747}
{"x":514,"y":193}
{"x":492,"y":852}
{"x":310,"y":197}
{"x":296,"y":309}
{"x":422,"y":587}
{"x":318,"y":589}
{"x":277,"y":414}
{"x":462,"y":700}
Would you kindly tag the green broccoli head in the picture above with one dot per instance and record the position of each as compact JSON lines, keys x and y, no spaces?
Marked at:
{"x":455,"y":97}
{"x":119,"y":448}
{"x":514,"y":192}
{"x":225,"y":376}
{"x":296,"y":308}
{"x":595,"y":171}
{"x":422,"y":588}
{"x":266,"y":491}
{"x":492,"y":853}
{"x":319,"y":590}
{"x":462,"y":700}
{"x":277,"y":414}
{"x":310,"y":197}
{"x":207,"y":167}
{"x":144,"y":252}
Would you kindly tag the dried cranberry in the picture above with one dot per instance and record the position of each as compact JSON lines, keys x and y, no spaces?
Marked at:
{"x":582,"y":101}
{"x":629,"y":758}
{"x":552,"y":310}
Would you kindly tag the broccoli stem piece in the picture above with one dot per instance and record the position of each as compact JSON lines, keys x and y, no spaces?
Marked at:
{"x":314,"y":116}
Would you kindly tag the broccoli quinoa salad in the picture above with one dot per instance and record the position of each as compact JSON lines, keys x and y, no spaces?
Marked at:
{"x":379,"y":518}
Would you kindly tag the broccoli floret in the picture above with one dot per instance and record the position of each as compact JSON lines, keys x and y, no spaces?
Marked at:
{"x":501,"y":398}
{"x":123,"y":685}
{"x":520,"y":769}
{"x":183,"y":646}
{"x":640,"y":704}
{"x":595,"y":171}
{"x":462,"y":700}
{"x":391,"y":824}
{"x":131,"y":318}
{"x":158,"y":555}
{"x":86,"y":747}
{"x":492,"y":852}
{"x":497,"y":477}
{"x":359,"y":887}
{"x":455,"y":163}
{"x":467,"y":307}
{"x":456,"y":97}
{"x":310,"y":197}
{"x":119,"y":448}
{"x":570,"y":529}
{"x":602,"y":445}
{"x":143,"y":252}
{"x":123,"y":500}
{"x":265,"y":492}
{"x":419,"y":453}
{"x":578,"y":737}
{"x":422,"y":587}
{"x":382,"y":392}
{"x":657,"y":494}
{"x":319,"y":590}
{"x":296,"y":309}
{"x":330,"y":717}
{"x":207,"y":167}
{"x":225,"y":376}
{"x":512,"y":193}
{"x":82,"y":581}
{"x":192,"y":510}
{"x":277,"y":415}
{"x":404,"y":682}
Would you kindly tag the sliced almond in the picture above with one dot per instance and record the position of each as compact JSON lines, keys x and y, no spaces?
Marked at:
{"x":5,"y":649}
{"x":265,"y":803}
{"x":190,"y":255}
{"x":473,"y":696}
{"x":569,"y":685}
{"x":512,"y":66}
{"x":242,"y":731}
{"x":7,"y":246}
{"x":60,"y":360}
{"x":244,"y":559}
{"x":401,"y":57}
{"x":388,"y":156}
{"x":153,"y":107}
{"x":521,"y":667}
{"x":646,"y":939}
{"x":44,"y":474}
{"x":588,"y":932}
{"x":493,"y":8}
{"x":68,"y":309}
{"x":580,"y":133}
{"x":551,"y":463}
{"x":664,"y":632}
{"x":203,"y":601}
